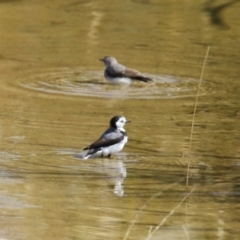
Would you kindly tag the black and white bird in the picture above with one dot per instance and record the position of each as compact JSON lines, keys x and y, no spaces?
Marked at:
{"x":111,"y":141}
{"x":117,"y":73}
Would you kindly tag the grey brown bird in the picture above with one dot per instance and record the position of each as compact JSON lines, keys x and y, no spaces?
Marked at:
{"x":117,"y":73}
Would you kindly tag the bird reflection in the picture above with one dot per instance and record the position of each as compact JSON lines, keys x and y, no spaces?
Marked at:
{"x":114,"y":171}
{"x":214,"y":12}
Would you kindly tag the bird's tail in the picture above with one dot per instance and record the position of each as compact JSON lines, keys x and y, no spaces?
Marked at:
{"x":83,"y":155}
{"x":146,"y":79}
{"x":93,"y":153}
{"x":143,"y":79}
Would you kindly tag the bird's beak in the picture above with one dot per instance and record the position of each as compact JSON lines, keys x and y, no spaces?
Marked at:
{"x":101,"y":59}
{"x":128,"y":121}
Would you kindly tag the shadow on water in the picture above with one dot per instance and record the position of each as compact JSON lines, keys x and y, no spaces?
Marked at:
{"x":215,"y":12}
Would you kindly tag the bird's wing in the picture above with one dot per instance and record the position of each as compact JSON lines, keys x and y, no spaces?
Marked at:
{"x":134,"y":74}
{"x":128,"y":73}
{"x":104,"y":142}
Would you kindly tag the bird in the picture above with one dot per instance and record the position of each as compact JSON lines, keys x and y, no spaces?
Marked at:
{"x":117,"y":73}
{"x":110,"y":142}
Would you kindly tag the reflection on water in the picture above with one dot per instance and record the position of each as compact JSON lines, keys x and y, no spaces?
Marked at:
{"x":5,"y":156}
{"x":114,"y":170}
{"x":215,"y":12}
{"x":54,"y":99}
{"x":13,"y":203}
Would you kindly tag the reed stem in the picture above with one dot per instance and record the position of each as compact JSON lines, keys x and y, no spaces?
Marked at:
{"x":194,"y":115}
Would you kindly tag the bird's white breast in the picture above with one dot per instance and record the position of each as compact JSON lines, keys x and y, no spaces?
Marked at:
{"x":114,"y":148}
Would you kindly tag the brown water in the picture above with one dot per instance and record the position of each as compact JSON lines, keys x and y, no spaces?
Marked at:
{"x":54,"y":101}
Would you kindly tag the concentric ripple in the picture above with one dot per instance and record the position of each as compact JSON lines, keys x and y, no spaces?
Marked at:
{"x":80,"y":82}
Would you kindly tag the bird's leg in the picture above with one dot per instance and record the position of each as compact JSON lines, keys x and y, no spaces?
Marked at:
{"x":109,"y":155}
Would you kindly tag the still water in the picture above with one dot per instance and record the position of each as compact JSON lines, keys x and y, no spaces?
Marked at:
{"x":54,"y":102}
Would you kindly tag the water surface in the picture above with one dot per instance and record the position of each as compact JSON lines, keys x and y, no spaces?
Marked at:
{"x":54,"y":102}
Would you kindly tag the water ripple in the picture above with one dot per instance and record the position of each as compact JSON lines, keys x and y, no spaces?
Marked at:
{"x":80,"y":82}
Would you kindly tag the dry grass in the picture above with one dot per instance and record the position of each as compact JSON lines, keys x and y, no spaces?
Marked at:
{"x":194,"y":116}
{"x":152,"y":232}
{"x":141,"y":209}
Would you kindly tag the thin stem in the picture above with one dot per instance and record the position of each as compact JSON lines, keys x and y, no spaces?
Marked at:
{"x":169,"y":215}
{"x":196,"y":102}
{"x":194,"y":114}
{"x":141,"y":209}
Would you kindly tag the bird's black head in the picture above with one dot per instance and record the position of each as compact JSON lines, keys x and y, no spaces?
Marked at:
{"x":118,"y":122}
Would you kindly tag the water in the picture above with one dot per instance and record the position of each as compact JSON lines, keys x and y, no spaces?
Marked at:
{"x":54,"y":102}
